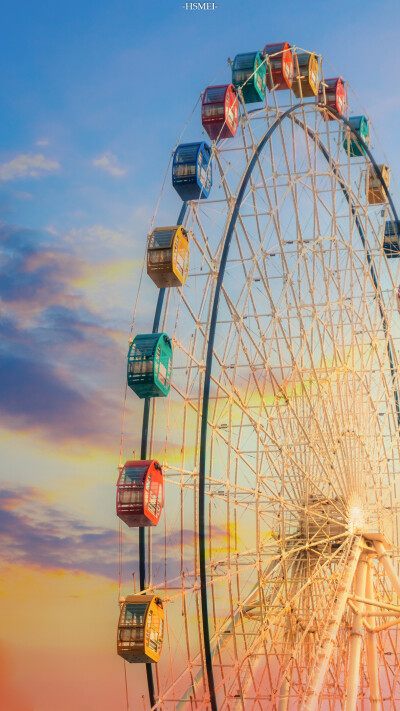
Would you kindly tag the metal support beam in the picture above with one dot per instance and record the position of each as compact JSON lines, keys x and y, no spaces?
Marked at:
{"x":284,"y":693}
{"x":372,"y":655}
{"x":218,"y":643}
{"x":387,"y":564}
{"x":331,"y":629}
{"x":356,"y":638}
{"x":392,"y":609}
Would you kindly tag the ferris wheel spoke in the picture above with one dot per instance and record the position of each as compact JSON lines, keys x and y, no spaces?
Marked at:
{"x":327,"y":642}
{"x":224,"y":633}
{"x":244,"y":328}
{"x":245,"y":665}
{"x":244,"y":409}
{"x":272,"y":621}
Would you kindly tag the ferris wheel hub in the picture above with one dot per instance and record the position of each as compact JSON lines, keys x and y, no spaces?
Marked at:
{"x":372,"y":536}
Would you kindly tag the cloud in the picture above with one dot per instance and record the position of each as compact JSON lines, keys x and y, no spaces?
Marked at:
{"x":42,"y":142}
{"x":27,"y":166}
{"x":38,"y":534}
{"x":55,"y":349}
{"x":99,"y":239}
{"x":33,"y":396}
{"x":31,"y":268}
{"x":109,"y":163}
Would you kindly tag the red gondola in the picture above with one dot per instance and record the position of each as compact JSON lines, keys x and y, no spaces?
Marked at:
{"x":335,"y":96}
{"x":220,"y":111}
{"x":140,"y":493}
{"x":281,"y":66}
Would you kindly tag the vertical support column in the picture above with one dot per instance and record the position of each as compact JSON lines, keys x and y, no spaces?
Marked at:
{"x":356,"y":637}
{"x":372,"y":655}
{"x":284,"y":693}
{"x":387,"y":564}
{"x":329,"y":635}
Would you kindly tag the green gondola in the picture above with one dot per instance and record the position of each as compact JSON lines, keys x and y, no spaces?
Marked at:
{"x":249,"y":73}
{"x":361,"y":125}
{"x":150,"y":365}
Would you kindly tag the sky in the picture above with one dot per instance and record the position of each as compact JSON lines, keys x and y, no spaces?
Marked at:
{"x":94,"y":96}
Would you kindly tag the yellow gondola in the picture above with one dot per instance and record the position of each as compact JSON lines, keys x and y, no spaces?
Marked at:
{"x":306,"y":82}
{"x":168,"y":256}
{"x":141,"y":629}
{"x":374,"y":188}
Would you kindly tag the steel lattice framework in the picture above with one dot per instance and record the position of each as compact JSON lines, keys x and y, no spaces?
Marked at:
{"x":277,"y":558}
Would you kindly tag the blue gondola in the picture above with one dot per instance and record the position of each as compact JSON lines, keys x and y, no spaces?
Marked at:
{"x":361,"y":126}
{"x":192,"y":171}
{"x":391,"y":239}
{"x":150,"y":365}
{"x":249,"y":72}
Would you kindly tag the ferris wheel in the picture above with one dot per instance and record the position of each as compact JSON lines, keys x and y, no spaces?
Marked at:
{"x":266,"y":491}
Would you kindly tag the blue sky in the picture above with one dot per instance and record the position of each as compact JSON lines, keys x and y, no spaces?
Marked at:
{"x":120,"y":79}
{"x":93,"y":96}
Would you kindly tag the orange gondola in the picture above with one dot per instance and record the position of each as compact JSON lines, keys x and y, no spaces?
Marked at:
{"x":281,"y":62}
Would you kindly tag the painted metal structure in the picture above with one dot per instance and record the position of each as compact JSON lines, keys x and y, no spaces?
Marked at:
{"x":286,"y":442}
{"x":249,"y":74}
{"x":144,"y":451}
{"x":306,"y":75}
{"x":168,"y":256}
{"x":192,"y":171}
{"x":351,"y":144}
{"x":280,"y":59}
{"x":376,"y":193}
{"x":391,"y":239}
{"x":315,"y":684}
{"x":332,"y":92}
{"x":150,"y":365}
{"x":141,"y":629}
{"x":220,"y":111}
{"x":140,"y":493}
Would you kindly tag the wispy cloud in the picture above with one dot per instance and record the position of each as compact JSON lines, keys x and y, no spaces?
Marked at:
{"x":36,"y":533}
{"x":27,"y":166}
{"x":109,"y":162}
{"x":55,"y":349}
{"x":97,"y":235}
{"x":34,"y":397}
{"x":42,"y":142}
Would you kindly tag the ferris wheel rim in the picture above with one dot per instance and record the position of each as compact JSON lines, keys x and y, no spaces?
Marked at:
{"x":209,"y":358}
{"x":215,"y":297}
{"x":143,"y":455}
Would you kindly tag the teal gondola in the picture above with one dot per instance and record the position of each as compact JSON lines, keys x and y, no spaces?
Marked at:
{"x":150,"y":365}
{"x":350,"y":143}
{"x":250,"y":74}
